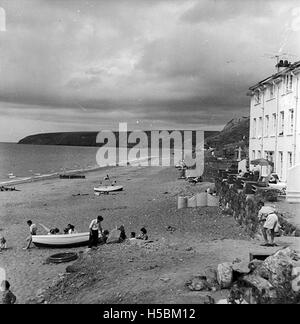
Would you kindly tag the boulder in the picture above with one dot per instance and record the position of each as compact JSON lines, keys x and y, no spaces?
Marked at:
{"x":241,"y":267}
{"x":198,"y":283}
{"x":296,"y":279}
{"x":277,"y":269}
{"x":224,"y":274}
{"x":262,"y":290}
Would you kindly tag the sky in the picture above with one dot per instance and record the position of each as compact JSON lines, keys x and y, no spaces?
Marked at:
{"x":76,"y":65}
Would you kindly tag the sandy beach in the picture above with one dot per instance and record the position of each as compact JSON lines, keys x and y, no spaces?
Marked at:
{"x":202,"y":236}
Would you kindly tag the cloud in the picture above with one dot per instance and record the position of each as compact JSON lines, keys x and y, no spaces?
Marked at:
{"x":182,"y":61}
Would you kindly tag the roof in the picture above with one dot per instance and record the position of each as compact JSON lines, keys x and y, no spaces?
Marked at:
{"x":294,"y":66}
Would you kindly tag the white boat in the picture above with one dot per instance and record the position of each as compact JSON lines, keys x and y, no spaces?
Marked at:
{"x":61,"y":240}
{"x":107,"y":189}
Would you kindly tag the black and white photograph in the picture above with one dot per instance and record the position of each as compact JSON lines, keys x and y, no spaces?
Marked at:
{"x":149,"y":154}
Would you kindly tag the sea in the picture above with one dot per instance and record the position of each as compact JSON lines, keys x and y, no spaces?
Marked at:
{"x":25,"y":161}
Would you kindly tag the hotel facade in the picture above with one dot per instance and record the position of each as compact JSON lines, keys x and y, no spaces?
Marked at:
{"x":275,"y":119}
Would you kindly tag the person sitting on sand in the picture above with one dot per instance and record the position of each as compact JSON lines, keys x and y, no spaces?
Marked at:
{"x":143,"y":235}
{"x":53,"y":231}
{"x":95,"y":229}
{"x":33,"y":231}
{"x":71,"y":229}
{"x":3,"y":245}
{"x":123,"y":236}
{"x":7,"y":298}
{"x":104,"y":237}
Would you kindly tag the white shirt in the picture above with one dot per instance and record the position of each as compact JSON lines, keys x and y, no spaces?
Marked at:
{"x":95,"y":226}
{"x":33,"y":229}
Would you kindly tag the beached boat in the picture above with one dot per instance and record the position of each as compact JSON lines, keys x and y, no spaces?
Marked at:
{"x":61,"y":240}
{"x":108,"y":189}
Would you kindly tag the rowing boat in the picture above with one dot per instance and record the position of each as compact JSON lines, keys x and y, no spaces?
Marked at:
{"x":61,"y":240}
{"x":108,"y":189}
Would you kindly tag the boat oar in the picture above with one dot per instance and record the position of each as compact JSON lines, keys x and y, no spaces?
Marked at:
{"x":45,"y":228}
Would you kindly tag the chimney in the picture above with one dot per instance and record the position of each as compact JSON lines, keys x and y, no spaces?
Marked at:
{"x":281,"y":65}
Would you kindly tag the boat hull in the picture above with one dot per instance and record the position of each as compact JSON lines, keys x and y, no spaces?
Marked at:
{"x":61,"y":241}
{"x":107,"y":189}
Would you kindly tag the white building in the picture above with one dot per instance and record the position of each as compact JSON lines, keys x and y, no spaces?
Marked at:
{"x":275,"y":118}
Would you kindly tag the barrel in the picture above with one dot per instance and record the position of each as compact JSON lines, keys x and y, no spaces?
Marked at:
{"x":182,"y":202}
{"x":201,"y":199}
{"x":192,"y":202}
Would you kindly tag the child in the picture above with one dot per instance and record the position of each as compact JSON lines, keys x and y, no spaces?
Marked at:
{"x":122,"y":233}
{"x":3,"y":245}
{"x":143,"y":235}
{"x":7,"y":296}
{"x":104,"y":237}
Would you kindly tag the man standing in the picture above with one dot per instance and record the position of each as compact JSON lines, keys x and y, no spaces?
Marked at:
{"x":33,"y":231}
{"x":95,"y":228}
{"x":268,"y":217}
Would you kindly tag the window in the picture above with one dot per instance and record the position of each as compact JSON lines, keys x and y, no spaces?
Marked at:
{"x":274,"y":124}
{"x":253,"y":155}
{"x":259,"y":154}
{"x":281,"y":125}
{"x":290,"y":159}
{"x":260,"y":126}
{"x":280,"y":164}
{"x":269,"y":155}
{"x":291,"y":121}
{"x":257,"y":97}
{"x":272,"y":91}
{"x":289,"y":83}
{"x":267,"y":122}
{"x":254,"y":128}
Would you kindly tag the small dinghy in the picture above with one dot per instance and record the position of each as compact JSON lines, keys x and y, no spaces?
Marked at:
{"x":61,"y":240}
{"x":107,"y":189}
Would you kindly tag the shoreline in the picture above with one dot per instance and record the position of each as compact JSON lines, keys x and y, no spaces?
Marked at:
{"x":56,"y":175}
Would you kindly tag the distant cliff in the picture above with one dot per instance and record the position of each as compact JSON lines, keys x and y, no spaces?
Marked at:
{"x":77,"y":138}
{"x":235,"y":132}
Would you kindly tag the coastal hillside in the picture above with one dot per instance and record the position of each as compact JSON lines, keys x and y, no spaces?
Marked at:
{"x":78,"y":138}
{"x":235,"y":132}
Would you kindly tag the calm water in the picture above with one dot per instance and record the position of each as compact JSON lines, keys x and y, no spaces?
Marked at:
{"x":28,"y":160}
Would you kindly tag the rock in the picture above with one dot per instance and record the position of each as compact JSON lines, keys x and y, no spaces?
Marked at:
{"x":40,"y":300}
{"x":40,"y":292}
{"x":224,"y":274}
{"x":254,"y":264}
{"x":79,"y":285}
{"x":237,"y":260}
{"x":241,"y":267}
{"x":189,"y":249}
{"x":222,"y":302}
{"x":198,"y":284}
{"x":211,"y":278}
{"x":296,"y":281}
{"x":277,"y":269}
{"x":72,"y":269}
{"x":209,"y":300}
{"x":263,"y":291}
